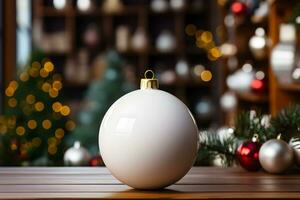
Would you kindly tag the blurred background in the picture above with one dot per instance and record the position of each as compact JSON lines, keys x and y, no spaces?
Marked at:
{"x":64,"y":62}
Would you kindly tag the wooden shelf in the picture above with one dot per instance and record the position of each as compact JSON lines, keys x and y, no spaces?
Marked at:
{"x":52,"y":12}
{"x":252,"y":97}
{"x":292,"y":87}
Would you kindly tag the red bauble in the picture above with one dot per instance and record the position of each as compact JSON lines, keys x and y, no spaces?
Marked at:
{"x":258,"y":85}
{"x":238,"y":8}
{"x":247,"y":154}
{"x":96,"y":161}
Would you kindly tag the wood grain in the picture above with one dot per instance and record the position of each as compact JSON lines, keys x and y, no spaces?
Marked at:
{"x":98,"y":183}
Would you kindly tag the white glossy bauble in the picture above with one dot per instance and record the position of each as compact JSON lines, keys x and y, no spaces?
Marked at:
{"x":148,"y":139}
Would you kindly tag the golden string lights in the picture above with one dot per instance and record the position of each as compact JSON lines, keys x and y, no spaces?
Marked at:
{"x":27,"y":94}
{"x":203,"y":40}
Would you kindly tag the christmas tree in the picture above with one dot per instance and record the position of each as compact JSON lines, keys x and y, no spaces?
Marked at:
{"x":101,"y":94}
{"x":35,"y":120}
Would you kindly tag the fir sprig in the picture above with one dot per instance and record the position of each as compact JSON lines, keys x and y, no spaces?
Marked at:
{"x":247,"y":123}
{"x":251,"y":122}
{"x":287,"y":123}
{"x":212,"y":145}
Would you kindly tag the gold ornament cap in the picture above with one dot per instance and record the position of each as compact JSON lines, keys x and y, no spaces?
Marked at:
{"x":149,"y":82}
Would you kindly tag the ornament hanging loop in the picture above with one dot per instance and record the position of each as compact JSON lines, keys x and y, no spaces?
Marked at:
{"x":149,"y":82}
{"x":149,"y":72}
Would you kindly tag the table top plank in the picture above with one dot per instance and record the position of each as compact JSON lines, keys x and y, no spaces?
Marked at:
{"x":97,"y":183}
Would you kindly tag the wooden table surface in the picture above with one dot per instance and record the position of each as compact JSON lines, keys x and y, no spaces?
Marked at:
{"x":98,"y":183}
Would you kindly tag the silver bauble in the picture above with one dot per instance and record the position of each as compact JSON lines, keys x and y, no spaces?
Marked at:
{"x":295,"y":144}
{"x":76,"y":155}
{"x":276,"y":156}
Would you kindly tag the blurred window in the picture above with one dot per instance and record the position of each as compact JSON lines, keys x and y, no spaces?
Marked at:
{"x":23,"y":8}
{"x":1,"y":52}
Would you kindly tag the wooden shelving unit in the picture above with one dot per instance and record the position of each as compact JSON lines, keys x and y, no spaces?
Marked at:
{"x":138,"y":14}
{"x":281,"y":94}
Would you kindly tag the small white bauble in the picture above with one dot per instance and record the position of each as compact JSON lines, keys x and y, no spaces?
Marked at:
{"x":84,"y":5}
{"x":177,"y":4}
{"x":258,"y":43}
{"x":159,"y":5}
{"x":59,"y":4}
{"x":182,"y":68}
{"x":165,"y":42}
{"x":228,"y":101}
{"x":76,"y":155}
{"x":139,"y":40}
{"x":240,"y":80}
{"x":148,"y":138}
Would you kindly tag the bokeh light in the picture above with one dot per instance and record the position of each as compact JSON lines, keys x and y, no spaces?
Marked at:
{"x":30,"y":99}
{"x":20,"y":130}
{"x":24,"y":76}
{"x":48,"y":66}
{"x":65,"y":110}
{"x":206,"y":76}
{"x":12,"y":102}
{"x":190,"y":29}
{"x":39,"y":106}
{"x":56,"y":106}
{"x":70,"y":125}
{"x":46,"y":124}
{"x":44,"y":73}
{"x":59,"y":133}
{"x":32,"y":124}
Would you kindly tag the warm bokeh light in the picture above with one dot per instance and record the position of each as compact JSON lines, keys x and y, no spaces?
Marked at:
{"x":56,"y":106}
{"x":52,"y":141}
{"x":33,"y":72}
{"x":30,"y":99}
{"x":53,"y":93}
{"x":36,"y":65}
{"x":52,"y":149}
{"x":59,"y":133}
{"x":24,"y":76}
{"x":36,"y":142}
{"x":12,"y":102}
{"x":215,"y":52}
{"x":70,"y":125}
{"x":190,"y":29}
{"x":13,"y":147}
{"x":206,"y":37}
{"x":49,"y":66}
{"x":206,"y":76}
{"x":14,"y":85}
{"x":9,"y":91}
{"x":44,"y":73}
{"x":20,"y":130}
{"x":57,"y":85}
{"x":32,"y":124}
{"x":65,"y":110}
{"x":39,"y":106}
{"x":46,"y":87}
{"x":46,"y":124}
